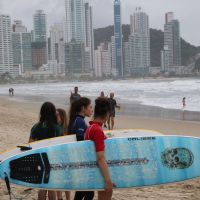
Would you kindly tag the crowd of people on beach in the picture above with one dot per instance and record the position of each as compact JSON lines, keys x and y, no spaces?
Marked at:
{"x":55,"y":122}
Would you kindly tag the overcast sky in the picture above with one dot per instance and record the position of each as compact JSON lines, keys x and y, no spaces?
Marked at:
{"x":186,"y":11}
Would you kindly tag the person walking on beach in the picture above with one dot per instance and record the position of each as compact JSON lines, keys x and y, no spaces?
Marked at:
{"x":74,"y":96}
{"x":46,"y":128}
{"x":102,"y":95}
{"x":95,"y":133}
{"x":11,"y":92}
{"x":113,"y":105}
{"x":62,"y":121}
{"x":184,"y":102}
{"x":80,"y":109}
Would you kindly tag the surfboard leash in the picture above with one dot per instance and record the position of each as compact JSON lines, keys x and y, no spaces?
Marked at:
{"x":8,"y":185}
{"x":10,"y":191}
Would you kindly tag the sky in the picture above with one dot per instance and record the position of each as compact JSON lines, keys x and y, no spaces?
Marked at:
{"x":186,"y":11}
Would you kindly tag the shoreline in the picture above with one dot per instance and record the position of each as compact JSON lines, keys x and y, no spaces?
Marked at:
{"x":127,"y":108}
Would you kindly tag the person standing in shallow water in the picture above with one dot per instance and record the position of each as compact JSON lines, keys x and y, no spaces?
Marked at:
{"x":80,"y":109}
{"x":74,"y":96}
{"x":113,"y":105}
{"x":184,"y":102}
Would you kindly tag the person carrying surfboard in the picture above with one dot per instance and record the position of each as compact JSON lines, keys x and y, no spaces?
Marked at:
{"x":80,"y":109}
{"x":47,"y":127}
{"x":95,"y":133}
{"x":62,"y":120}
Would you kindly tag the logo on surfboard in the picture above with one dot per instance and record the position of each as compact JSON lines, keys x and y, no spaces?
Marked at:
{"x":177,"y":158}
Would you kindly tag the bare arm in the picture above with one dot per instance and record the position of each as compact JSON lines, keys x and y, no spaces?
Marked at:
{"x":101,"y":160}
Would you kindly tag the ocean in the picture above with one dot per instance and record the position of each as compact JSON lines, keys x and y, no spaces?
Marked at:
{"x":164,"y":93}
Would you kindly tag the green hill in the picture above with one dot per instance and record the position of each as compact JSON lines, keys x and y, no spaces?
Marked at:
{"x":156,"y":42}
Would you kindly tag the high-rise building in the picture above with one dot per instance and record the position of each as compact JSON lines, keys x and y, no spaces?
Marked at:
{"x":74,"y":57}
{"x":56,"y":34}
{"x":89,"y":35}
{"x":172,"y":40}
{"x":165,"y":59}
{"x":40,"y":26}
{"x":139,"y":43}
{"x":19,"y":27}
{"x":126,"y":58}
{"x":75,"y":21}
{"x":21,"y":44}
{"x":39,"y":45}
{"x":39,"y":54}
{"x":103,"y":60}
{"x":6,"y":54}
{"x":118,"y":38}
{"x":22,"y":54}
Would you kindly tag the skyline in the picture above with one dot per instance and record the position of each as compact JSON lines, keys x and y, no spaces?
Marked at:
{"x":187,"y":15}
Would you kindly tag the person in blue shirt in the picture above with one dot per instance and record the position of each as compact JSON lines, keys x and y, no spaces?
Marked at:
{"x":80,"y":109}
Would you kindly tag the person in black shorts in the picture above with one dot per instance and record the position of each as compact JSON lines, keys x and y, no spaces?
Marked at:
{"x":74,"y":96}
{"x":113,"y":105}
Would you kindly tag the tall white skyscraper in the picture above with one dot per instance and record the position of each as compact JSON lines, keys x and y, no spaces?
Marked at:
{"x":89,"y":34}
{"x":172,"y":40}
{"x":118,"y":38}
{"x":139,"y":43}
{"x":103,"y":60}
{"x":6,"y":54}
{"x":75,"y":21}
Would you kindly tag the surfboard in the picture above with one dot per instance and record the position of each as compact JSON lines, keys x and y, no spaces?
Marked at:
{"x":133,"y":162}
{"x":72,"y":138}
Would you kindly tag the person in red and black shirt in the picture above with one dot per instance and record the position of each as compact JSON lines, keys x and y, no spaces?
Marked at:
{"x":95,"y":133}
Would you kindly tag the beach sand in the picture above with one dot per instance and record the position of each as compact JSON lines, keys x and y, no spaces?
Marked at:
{"x":17,"y":118}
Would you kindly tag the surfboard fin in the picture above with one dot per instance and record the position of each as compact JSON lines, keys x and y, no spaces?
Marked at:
{"x":25,"y":148}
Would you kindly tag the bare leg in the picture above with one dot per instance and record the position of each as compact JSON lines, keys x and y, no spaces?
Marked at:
{"x":52,"y":195}
{"x":67,"y":194}
{"x":42,"y":194}
{"x":59,"y":195}
{"x":102,"y":195}
{"x":112,"y":123}
{"x":108,"y":123}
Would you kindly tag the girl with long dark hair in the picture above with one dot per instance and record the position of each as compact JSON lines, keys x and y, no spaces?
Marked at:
{"x":80,"y":109}
{"x":47,"y":127}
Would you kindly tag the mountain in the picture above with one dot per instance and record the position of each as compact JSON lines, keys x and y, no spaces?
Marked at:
{"x":188,"y":51}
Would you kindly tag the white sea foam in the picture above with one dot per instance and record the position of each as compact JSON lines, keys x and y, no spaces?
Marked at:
{"x":162,"y":93}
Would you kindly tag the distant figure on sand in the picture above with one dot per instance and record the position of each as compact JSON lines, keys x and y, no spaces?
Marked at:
{"x":74,"y":96}
{"x":184,"y":102}
{"x":102,"y":94}
{"x":11,"y":92}
{"x":113,"y":105}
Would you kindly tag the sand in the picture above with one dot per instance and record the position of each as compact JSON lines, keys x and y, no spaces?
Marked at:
{"x":17,"y":118}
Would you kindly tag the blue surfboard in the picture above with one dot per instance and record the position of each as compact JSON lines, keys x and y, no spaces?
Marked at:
{"x":133,"y":162}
